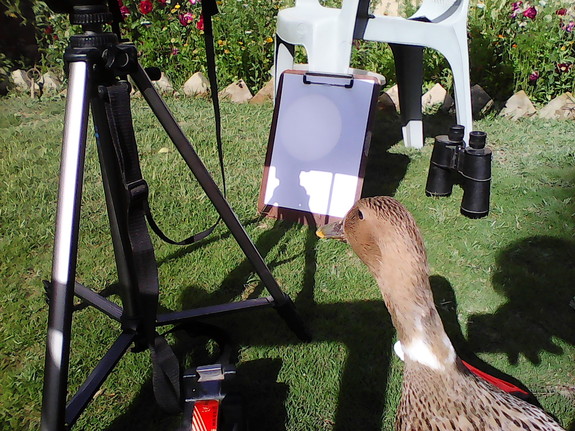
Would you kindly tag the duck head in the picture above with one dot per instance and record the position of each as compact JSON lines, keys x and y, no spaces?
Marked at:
{"x":385,"y":236}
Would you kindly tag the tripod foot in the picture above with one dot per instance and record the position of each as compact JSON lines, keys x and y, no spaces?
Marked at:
{"x":288,"y":312}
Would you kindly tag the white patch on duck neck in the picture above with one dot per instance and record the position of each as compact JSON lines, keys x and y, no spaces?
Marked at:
{"x":419,"y":350}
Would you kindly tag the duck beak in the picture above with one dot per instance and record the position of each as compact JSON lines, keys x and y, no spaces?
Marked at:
{"x":332,"y":231}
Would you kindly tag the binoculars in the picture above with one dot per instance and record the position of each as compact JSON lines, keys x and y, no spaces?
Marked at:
{"x":468,"y":165}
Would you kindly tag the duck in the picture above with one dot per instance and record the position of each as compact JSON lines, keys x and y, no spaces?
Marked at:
{"x":439,"y":393}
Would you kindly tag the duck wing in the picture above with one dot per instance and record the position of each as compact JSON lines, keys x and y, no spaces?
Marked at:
{"x":461,"y":401}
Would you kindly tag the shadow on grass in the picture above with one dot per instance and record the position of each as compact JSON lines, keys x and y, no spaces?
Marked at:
{"x":264,"y":397}
{"x":364,"y":328}
{"x":385,"y":170}
{"x":536,"y":276}
{"x":446,"y":304}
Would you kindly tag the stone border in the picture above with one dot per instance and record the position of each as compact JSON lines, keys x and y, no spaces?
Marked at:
{"x":516,"y":107}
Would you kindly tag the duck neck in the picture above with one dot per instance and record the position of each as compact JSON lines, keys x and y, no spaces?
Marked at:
{"x":407,"y":294}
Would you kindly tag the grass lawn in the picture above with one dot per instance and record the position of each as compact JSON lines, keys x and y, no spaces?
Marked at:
{"x":502,"y":283}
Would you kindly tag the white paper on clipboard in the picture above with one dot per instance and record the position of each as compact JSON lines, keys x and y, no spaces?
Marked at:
{"x":318,"y":144}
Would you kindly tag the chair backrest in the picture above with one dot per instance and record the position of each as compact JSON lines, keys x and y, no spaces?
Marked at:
{"x":348,"y":9}
{"x":325,"y":32}
{"x":439,"y":10}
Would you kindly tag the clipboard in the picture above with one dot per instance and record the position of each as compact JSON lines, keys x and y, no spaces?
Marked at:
{"x":318,"y":145}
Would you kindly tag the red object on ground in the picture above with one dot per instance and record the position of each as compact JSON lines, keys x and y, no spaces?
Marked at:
{"x":205,"y":415}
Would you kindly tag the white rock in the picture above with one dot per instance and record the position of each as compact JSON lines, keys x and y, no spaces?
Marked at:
{"x":518,"y":106}
{"x":163,"y":85}
{"x":448,"y":103}
{"x":562,"y":107}
{"x":394,"y":96}
{"x":384,"y":103}
{"x":20,"y":80}
{"x":51,"y":82}
{"x":481,"y":102}
{"x":435,"y":96}
{"x":265,"y":94}
{"x":237,"y":92}
{"x":197,"y":85}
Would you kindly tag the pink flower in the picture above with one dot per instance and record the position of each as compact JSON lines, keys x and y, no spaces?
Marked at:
{"x":124,"y":11}
{"x":515,"y":8}
{"x":175,"y":51}
{"x":145,"y":7}
{"x":186,"y":18}
{"x":569,"y":27}
{"x":530,"y":12}
{"x":533,"y":76}
{"x":561,"y":11}
{"x":193,"y":2}
{"x":563,"y":67}
{"x":162,"y":1}
{"x":200,"y":23}
{"x":120,"y":3}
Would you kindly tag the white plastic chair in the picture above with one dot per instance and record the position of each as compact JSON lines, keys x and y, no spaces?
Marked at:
{"x":327,"y":35}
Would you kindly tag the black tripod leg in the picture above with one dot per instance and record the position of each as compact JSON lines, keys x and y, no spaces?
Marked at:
{"x":283,"y":303}
{"x":65,"y":249}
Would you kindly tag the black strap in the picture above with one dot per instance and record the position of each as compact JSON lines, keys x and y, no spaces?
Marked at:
{"x":166,"y":367}
{"x":166,"y":370}
{"x":209,"y":8}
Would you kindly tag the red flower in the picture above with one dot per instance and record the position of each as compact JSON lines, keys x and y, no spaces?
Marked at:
{"x":124,"y":11}
{"x":563,"y":67}
{"x":186,"y":18}
{"x":200,"y":23}
{"x":534,"y":76}
{"x":561,"y":11}
{"x":530,"y":12}
{"x":49,"y":30}
{"x":146,"y":6}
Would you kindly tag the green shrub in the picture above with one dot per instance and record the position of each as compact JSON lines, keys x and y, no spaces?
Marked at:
{"x":52,"y":34}
{"x":523,"y":46}
{"x":169,"y":34}
{"x":513,"y":46}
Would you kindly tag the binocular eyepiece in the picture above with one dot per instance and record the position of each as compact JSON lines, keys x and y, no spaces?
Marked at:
{"x":453,"y":162}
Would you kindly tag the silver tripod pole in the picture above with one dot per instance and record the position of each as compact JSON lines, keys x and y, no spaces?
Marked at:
{"x":65,"y":248}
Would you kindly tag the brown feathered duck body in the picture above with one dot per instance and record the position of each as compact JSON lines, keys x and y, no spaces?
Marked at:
{"x":438,"y":392}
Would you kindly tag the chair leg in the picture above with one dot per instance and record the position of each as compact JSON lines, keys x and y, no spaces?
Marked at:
{"x":284,"y":59}
{"x":409,"y":71}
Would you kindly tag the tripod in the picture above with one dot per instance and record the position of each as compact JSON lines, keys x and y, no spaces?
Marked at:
{"x":98,"y":65}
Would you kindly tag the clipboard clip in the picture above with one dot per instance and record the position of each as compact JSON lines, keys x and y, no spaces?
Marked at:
{"x":331,"y":80}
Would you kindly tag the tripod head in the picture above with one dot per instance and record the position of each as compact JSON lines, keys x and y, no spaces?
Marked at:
{"x":90,"y":14}
{"x":81,"y":6}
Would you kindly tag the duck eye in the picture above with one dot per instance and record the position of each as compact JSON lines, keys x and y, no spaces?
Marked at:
{"x":360,"y":214}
